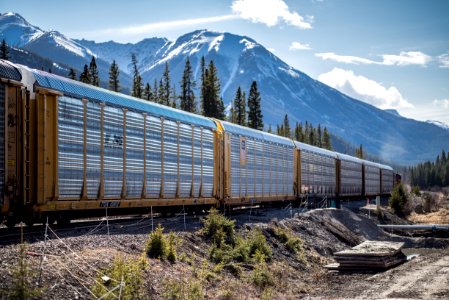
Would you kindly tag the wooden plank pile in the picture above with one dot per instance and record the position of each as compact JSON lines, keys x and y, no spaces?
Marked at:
{"x":369,"y":255}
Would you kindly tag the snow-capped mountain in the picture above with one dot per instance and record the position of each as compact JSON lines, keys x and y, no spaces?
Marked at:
{"x":52,"y":45}
{"x":239,"y":61}
{"x":17,"y":31}
{"x":147,"y":51}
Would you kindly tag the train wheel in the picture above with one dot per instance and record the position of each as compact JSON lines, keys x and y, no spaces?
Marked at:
{"x":29,"y":222}
{"x":11,"y":222}
{"x":63,"y":222}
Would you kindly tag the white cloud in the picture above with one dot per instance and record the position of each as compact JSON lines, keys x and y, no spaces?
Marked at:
{"x":406,"y":58}
{"x":365,"y":89}
{"x":443,"y":103}
{"x":444,"y":60}
{"x":299,"y":46}
{"x":403,"y":59}
{"x":344,"y":58}
{"x":269,"y":12}
{"x":272,"y":50}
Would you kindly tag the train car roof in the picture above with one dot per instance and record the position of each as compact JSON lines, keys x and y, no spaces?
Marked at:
{"x":256,"y":134}
{"x":347,"y":157}
{"x":310,"y":148}
{"x":370,"y":163}
{"x":8,"y":71}
{"x":80,"y":90}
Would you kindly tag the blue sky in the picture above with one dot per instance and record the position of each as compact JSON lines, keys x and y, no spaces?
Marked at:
{"x":392,"y":54}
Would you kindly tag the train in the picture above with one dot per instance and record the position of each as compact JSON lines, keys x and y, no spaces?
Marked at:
{"x":71,"y":150}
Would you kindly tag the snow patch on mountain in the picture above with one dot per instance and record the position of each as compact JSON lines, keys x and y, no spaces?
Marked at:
{"x":439,"y":124}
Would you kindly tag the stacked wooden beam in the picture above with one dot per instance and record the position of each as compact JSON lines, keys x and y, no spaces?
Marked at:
{"x":369,"y":255}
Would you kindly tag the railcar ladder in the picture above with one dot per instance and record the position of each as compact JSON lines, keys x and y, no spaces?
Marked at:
{"x":27,"y":151}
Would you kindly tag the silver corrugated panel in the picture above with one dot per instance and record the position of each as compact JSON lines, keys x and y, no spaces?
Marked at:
{"x":154,"y":157}
{"x":70,"y":147}
{"x":198,"y":162}
{"x":250,"y":167}
{"x":260,"y":172}
{"x":277,"y":171}
{"x":113,"y":152}
{"x":170,"y":158}
{"x":134,"y":154}
{"x":2,"y":141}
{"x":208,"y":162}
{"x":267,"y":169}
{"x":235,"y":166}
{"x":93,"y":149}
{"x":290,"y":155}
{"x":185,"y":160}
{"x":351,"y":178}
{"x":317,"y":173}
{"x":372,"y":180}
{"x":387,"y":181}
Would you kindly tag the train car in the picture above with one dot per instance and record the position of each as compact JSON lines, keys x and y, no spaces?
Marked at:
{"x":371,"y":178}
{"x":349,"y":176}
{"x":387,"y":179}
{"x":317,"y":171}
{"x":95,"y":149}
{"x":258,"y":166}
{"x":11,"y":166}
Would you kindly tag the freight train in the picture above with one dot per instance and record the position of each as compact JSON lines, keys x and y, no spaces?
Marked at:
{"x":70,"y":150}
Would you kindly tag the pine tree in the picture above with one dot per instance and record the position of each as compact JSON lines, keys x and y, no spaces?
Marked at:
{"x":72,"y":74}
{"x":166,"y":86}
{"x":319,"y":137}
{"x":85,"y":75}
{"x":286,"y":127}
{"x":114,"y":72}
{"x":306,"y":133}
{"x":269,"y":129}
{"x":4,"y":50}
{"x":203,"y":85}
{"x":298,"y":132}
{"x":312,"y":136}
{"x":255,"y":117}
{"x":221,"y":110}
{"x":327,"y":140}
{"x":174,"y":97}
{"x":137,"y":79}
{"x":155,"y":98}
{"x":187,"y":97}
{"x":147,"y":92}
{"x":213,"y":105}
{"x":239,"y":108}
{"x":359,"y":152}
{"x":161,"y":95}
{"x":93,"y":70}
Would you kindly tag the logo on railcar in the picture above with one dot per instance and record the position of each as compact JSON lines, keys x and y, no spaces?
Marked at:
{"x":243,"y":151}
{"x":110,"y":204}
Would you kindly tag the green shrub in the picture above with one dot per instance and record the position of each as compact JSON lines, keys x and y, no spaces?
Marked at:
{"x":261,"y":276}
{"x":416,"y":191}
{"x":292,"y":243}
{"x":122,"y":272}
{"x":258,"y":243}
{"x":160,"y":246}
{"x":157,"y":245}
{"x":398,"y":200}
{"x":218,"y":228}
{"x":171,"y":255}
{"x":21,"y":274}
